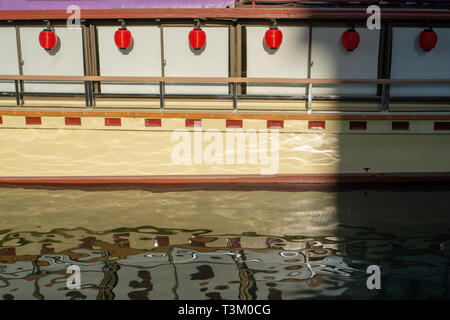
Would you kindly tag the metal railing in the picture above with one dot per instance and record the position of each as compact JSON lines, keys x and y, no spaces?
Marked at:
{"x":89,"y":81}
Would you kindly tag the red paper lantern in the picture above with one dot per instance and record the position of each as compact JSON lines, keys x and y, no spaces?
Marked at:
{"x":123,"y":38}
{"x":197,"y":38}
{"x":427,"y":39}
{"x":350,"y":39}
{"x":273,"y":38}
{"x":47,"y":39}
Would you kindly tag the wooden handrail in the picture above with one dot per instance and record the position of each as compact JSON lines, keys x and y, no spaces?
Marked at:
{"x":221,"y":80}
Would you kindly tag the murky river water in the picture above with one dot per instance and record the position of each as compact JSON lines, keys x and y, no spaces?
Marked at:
{"x":224,"y":244}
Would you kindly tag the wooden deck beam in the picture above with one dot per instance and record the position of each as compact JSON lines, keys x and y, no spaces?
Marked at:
{"x":232,"y":13}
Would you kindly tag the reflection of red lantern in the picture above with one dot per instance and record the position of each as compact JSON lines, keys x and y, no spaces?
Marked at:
{"x":197,"y":38}
{"x":427,"y":39}
{"x":47,"y":39}
{"x":123,"y":38}
{"x":350,"y":39}
{"x":273,"y":38}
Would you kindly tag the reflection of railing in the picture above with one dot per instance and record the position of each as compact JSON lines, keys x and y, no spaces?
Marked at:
{"x":88,"y":81}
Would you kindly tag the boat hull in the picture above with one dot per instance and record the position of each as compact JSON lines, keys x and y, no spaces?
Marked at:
{"x":184,"y":148}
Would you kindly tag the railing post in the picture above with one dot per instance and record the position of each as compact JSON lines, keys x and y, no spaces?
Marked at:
{"x":235,"y":95}
{"x":91,"y":92}
{"x":309,"y":98}
{"x":161,"y":95}
{"x":86,"y":93}
{"x":16,"y":84}
{"x":385,"y":97}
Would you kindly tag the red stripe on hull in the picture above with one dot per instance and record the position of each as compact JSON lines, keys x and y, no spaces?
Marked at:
{"x":235,"y":179}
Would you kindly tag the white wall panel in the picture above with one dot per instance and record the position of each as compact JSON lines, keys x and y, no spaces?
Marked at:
{"x":288,"y":61}
{"x":8,"y":56}
{"x":182,"y":61}
{"x":143,"y":58}
{"x":66,"y":59}
{"x":410,"y":61}
{"x":331,"y":60}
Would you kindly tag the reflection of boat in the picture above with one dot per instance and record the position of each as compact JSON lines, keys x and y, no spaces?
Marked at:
{"x":76,"y":108}
{"x":179,"y":271}
{"x":186,"y":271}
